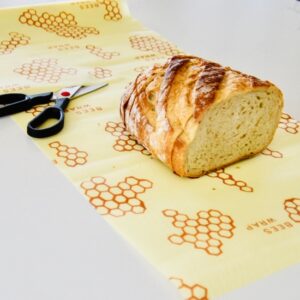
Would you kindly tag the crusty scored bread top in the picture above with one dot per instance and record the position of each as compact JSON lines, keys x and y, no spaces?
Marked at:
{"x":173,"y":109}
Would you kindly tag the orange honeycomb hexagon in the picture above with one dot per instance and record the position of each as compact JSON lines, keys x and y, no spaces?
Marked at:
{"x":101,"y":73}
{"x":153,"y":43}
{"x":289,"y":124}
{"x":44,"y":70}
{"x":72,"y":156}
{"x":16,"y":40}
{"x":125,"y":141}
{"x":204,"y":232}
{"x":112,"y":10}
{"x":64,"y":24}
{"x":190,"y":292}
{"x":117,"y":200}
{"x":273,"y":153}
{"x":292,"y":207}
{"x":37,"y":109}
{"x":228,"y":179}
{"x":101,"y":53}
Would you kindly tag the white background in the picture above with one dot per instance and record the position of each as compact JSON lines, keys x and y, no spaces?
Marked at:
{"x":53,"y":244}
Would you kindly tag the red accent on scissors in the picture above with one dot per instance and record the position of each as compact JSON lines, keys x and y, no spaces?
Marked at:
{"x":65,"y":93}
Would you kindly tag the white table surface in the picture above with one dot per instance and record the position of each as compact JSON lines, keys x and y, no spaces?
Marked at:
{"x":53,"y":244}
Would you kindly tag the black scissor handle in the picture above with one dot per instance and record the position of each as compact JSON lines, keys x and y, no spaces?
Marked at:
{"x":12,"y":98}
{"x":15,"y":102}
{"x":52,"y":112}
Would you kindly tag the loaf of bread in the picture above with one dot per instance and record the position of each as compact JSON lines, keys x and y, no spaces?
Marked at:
{"x":197,"y":116}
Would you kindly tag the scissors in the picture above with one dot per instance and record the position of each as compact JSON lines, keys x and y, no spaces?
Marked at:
{"x":15,"y":102}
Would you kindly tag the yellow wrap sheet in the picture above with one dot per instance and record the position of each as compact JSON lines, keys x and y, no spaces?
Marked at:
{"x":208,"y":235}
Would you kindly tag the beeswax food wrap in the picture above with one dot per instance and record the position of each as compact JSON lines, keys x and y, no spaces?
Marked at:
{"x":206,"y":235}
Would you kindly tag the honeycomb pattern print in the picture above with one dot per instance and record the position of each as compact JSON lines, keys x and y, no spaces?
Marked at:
{"x":16,"y":40}
{"x":34,"y":111}
{"x":112,"y":10}
{"x":72,"y":156}
{"x":289,"y":124}
{"x":152,"y":43}
{"x":118,"y":200}
{"x":64,"y":24}
{"x":228,"y":179}
{"x":44,"y":70}
{"x":292,"y":207}
{"x":101,"y":73}
{"x":204,"y":232}
{"x":101,"y":53}
{"x":190,"y":292}
{"x":125,"y":141}
{"x":273,"y":153}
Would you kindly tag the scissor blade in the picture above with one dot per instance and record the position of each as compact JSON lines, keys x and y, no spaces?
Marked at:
{"x":67,"y":92}
{"x":88,"y":89}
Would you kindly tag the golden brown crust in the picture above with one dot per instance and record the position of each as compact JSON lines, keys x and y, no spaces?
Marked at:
{"x":164,"y":105}
{"x":207,"y":85}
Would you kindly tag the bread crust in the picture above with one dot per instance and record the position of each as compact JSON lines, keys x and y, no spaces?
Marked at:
{"x":163,"y":107}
